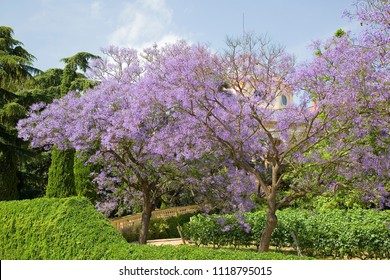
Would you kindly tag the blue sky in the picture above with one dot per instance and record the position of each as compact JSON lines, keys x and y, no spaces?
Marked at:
{"x":53,"y":29}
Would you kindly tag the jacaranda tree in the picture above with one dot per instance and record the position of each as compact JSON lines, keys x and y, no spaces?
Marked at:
{"x":155,"y":113}
{"x":121,"y":123}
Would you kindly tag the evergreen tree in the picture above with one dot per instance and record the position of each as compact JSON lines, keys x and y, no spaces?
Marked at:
{"x":61,"y":179}
{"x":61,"y":182}
{"x":15,"y":69}
{"x":83,"y":179}
{"x":8,"y":179}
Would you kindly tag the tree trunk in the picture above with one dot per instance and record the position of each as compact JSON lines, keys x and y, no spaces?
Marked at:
{"x":271,"y":219}
{"x":146,"y":215}
{"x":269,"y":228}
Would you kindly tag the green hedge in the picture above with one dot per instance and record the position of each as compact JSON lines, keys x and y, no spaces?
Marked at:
{"x":336,"y":233}
{"x":218,"y":230}
{"x":52,"y":228}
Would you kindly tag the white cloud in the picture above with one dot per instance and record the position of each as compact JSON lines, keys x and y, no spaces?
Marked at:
{"x":143,"y":23}
{"x":96,"y":8}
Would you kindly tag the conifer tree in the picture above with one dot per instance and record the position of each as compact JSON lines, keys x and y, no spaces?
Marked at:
{"x":61,"y":182}
{"x":15,"y":69}
{"x":61,"y":178}
{"x":82,"y":178}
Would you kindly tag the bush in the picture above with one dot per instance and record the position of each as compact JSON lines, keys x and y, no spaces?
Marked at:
{"x":226,"y":230}
{"x":336,"y":233}
{"x":53,"y":228}
{"x":354,"y":233}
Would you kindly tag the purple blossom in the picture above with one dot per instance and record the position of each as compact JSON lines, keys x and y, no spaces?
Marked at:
{"x":227,"y":228}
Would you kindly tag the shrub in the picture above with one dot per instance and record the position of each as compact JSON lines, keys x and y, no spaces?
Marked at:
{"x":225,"y":230}
{"x":354,"y":233}
{"x":53,"y":228}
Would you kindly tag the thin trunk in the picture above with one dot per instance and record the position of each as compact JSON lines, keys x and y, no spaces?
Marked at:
{"x":146,"y":215}
{"x":271,"y":219}
{"x":269,"y":228}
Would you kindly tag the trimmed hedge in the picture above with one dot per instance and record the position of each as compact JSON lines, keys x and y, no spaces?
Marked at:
{"x":336,"y":233}
{"x":53,"y":228}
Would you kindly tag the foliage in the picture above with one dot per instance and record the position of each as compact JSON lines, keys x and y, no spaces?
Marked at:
{"x":71,"y":80}
{"x":32,"y":175}
{"x":61,"y":180}
{"x":15,"y":61}
{"x":354,"y":233}
{"x":227,"y":230}
{"x":348,"y":198}
{"x":83,"y":179}
{"x":54,"y":228}
{"x":15,"y":69}
{"x":340,"y":234}
{"x":354,"y":69}
{"x":8,"y":177}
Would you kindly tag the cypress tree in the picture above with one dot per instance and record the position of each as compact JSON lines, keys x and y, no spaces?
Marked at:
{"x":61,"y":182}
{"x":83,"y":180}
{"x":61,"y":178}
